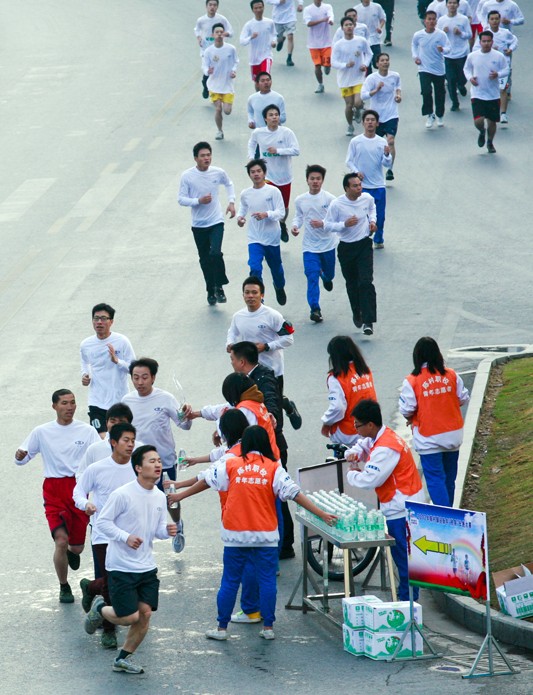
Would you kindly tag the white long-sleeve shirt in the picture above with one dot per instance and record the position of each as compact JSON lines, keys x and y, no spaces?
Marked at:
{"x":98,"y":451}
{"x":507,"y":9}
{"x":284,"y":12}
{"x":383,"y":101}
{"x":459,"y":46}
{"x":480,"y":65}
{"x":99,"y":481}
{"x":259,"y":48}
{"x":440,"y":9}
{"x":446,"y":441}
{"x":380,"y":465}
{"x":265,"y":199}
{"x":356,"y":50}
{"x":319,"y":35}
{"x":373,"y":15}
{"x":279,"y":165}
{"x":503,"y":40}
{"x":109,"y":381}
{"x":62,"y":447}
{"x":195,"y":184}
{"x":425,"y":47}
{"x":364,"y":208}
{"x":152,"y":415}
{"x":224,"y":61}
{"x":336,"y":411}
{"x":204,"y":29}
{"x":308,"y":207}
{"x":131,"y":510}
{"x":266,"y":325}
{"x":367,"y":155}
{"x":360,"y":29}
{"x":257,"y":102}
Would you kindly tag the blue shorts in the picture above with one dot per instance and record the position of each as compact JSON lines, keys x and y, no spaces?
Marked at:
{"x":388,"y":128}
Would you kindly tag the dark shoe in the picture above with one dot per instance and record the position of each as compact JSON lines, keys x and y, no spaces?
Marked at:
{"x":73,"y":560}
{"x":481,"y":138}
{"x":65,"y":594}
{"x":108,"y":640}
{"x":281,"y":296}
{"x":316,"y":315}
{"x":289,"y":62}
{"x":86,"y":598}
{"x":328,"y":284}
{"x":220,"y":296}
{"x":387,"y":42}
{"x":455,"y":107}
{"x":490,"y":147}
{"x":367,"y":329}
{"x":211,"y":299}
{"x":389,"y":176}
{"x":357,"y":320}
{"x":462,"y":90}
{"x":292,"y":413}
{"x":284,"y":232}
{"x":205,"y":93}
{"x":280,"y":43}
{"x":287,"y":553}
{"x":327,"y":70}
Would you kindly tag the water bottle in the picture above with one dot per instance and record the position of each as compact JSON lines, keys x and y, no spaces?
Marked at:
{"x":182,"y":455}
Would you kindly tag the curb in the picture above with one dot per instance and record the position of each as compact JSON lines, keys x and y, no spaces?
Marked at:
{"x":463,"y":609}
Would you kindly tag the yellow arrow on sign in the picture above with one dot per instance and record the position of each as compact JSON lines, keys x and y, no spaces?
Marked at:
{"x":426,"y":546}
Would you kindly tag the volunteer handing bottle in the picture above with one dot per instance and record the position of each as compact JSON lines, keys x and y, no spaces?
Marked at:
{"x":431,"y":400}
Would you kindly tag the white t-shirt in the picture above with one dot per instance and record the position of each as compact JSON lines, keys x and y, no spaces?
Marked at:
{"x":259,"y":48}
{"x":364,"y":208}
{"x":98,"y":451}
{"x":345,"y":51}
{"x":257,"y":102}
{"x":263,"y":326}
{"x":373,"y":15}
{"x":310,"y":207}
{"x":507,"y":9}
{"x":459,"y":46}
{"x":109,"y":381}
{"x":319,"y":35}
{"x":194,"y":184}
{"x":367,"y":155}
{"x":279,"y":165}
{"x":382,"y":101}
{"x":265,"y":199}
{"x":284,"y":13}
{"x":62,"y":447}
{"x":204,"y":29}
{"x":151,"y":418}
{"x":503,"y":40}
{"x":480,"y":65}
{"x":440,"y":9}
{"x":359,"y":30}
{"x":224,"y":61}
{"x":133,"y":510}
{"x":425,"y":46}
{"x":100,"y":480}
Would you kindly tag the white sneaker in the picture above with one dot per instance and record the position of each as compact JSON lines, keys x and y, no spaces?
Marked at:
{"x":440,"y":122}
{"x":319,"y":89}
{"x":430,"y":120}
{"x":242,"y":617}
{"x":350,"y":130}
{"x":219,"y":135}
{"x":219,"y":635}
{"x":503,"y":118}
{"x":267,"y":634}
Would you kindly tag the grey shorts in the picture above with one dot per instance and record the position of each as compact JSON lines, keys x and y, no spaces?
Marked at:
{"x":284,"y":29}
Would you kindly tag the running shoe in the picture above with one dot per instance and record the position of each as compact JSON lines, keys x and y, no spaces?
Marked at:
{"x":319,"y":89}
{"x":211,"y":299}
{"x":430,"y":120}
{"x":108,"y":640}
{"x":248,"y":618}
{"x":220,"y":295}
{"x":328,"y":284}
{"x":316,"y":316}
{"x":490,"y":147}
{"x":73,"y":560}
{"x":504,"y":118}
{"x":267,"y":634}
{"x":280,"y":43}
{"x":126,"y":666}
{"x":289,"y":62}
{"x":219,"y":135}
{"x":219,"y":635}
{"x":327,"y":70}
{"x":94,"y":618}
{"x":281,"y":296}
{"x":65,"y":593}
{"x":367,"y":329}
{"x":350,"y":131}
{"x":440,"y":121}
{"x":284,"y":232}
{"x":481,"y":138}
{"x":178,"y":542}
{"x":389,"y":176}
{"x":86,"y":598}
{"x":292,"y":413}
{"x":462,"y":90}
{"x":379,"y":245}
{"x":357,"y":114}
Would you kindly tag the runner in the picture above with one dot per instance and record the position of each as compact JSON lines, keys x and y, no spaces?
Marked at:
{"x":204,"y":33}
{"x":259,"y":34}
{"x":264,"y":96}
{"x":318,"y":18}
{"x":373,"y":15}
{"x":360,"y":29}
{"x":457,"y":29}
{"x":284,"y":16}
{"x":220,"y":65}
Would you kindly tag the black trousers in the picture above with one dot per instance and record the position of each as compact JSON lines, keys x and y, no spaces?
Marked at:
{"x":209,"y":244}
{"x":388,"y":8}
{"x":356,"y":259}
{"x":428,"y":84}
{"x":455,"y":76}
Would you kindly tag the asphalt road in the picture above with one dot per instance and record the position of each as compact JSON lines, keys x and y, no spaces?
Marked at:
{"x":100,"y":106}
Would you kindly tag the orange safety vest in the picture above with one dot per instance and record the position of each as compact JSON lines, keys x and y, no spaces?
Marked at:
{"x":250,"y":503}
{"x":236,"y":451}
{"x":438,"y":409}
{"x":263,"y":419}
{"x":355,"y":387}
{"x":405,"y":477}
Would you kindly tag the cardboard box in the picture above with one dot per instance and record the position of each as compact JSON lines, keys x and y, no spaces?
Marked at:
{"x":382,"y":645}
{"x":354,"y":640}
{"x":353,"y":609}
{"x":391,"y":616}
{"x":514,"y":590}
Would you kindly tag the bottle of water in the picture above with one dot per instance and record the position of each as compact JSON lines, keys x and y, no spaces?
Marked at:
{"x":171,"y":488}
{"x":182,"y":455}
{"x":380,"y":525}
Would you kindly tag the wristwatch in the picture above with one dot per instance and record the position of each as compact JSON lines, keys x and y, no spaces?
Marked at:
{"x":267,"y":347}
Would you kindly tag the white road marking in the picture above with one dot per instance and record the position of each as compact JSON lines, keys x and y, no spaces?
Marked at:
{"x":21,"y":200}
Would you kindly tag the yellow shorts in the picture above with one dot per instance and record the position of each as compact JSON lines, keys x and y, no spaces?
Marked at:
{"x":224,"y":98}
{"x":350,"y":91}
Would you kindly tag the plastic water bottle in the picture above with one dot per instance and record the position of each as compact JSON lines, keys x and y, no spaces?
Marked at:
{"x":182,"y":455}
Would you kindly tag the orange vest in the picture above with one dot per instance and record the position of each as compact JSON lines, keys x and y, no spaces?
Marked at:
{"x":235,"y":450}
{"x":263,"y":419}
{"x":355,"y":387}
{"x":405,"y":477}
{"x":438,"y":408}
{"x":250,"y":503}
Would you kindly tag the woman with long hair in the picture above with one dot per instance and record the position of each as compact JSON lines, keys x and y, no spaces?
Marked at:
{"x":431,"y":400}
{"x":349,"y":381}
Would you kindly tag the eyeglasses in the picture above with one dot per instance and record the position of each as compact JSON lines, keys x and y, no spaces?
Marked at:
{"x":96,"y":319}
{"x":358,"y":425}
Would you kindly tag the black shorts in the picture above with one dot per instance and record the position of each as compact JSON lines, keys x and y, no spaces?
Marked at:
{"x":97,"y":418}
{"x":486,"y":109}
{"x":388,"y":128}
{"x":127,"y":589}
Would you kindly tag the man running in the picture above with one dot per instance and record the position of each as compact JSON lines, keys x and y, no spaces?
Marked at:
{"x":62,"y":444}
{"x":105,"y":360}
{"x":199,"y":191}
{"x":259,"y":34}
{"x":359,"y":30}
{"x":318,"y":246}
{"x":220,"y":65}
{"x":318,"y":18}
{"x":203,"y":31}
{"x":264,"y":96}
{"x":284,"y":17}
{"x":373,"y":15}
{"x":457,"y":28}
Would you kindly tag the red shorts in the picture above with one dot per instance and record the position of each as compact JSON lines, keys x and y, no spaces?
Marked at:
{"x":285,"y":191}
{"x":60,"y":510}
{"x":265,"y":66}
{"x":476,"y":29}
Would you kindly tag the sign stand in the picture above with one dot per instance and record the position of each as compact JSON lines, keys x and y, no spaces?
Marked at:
{"x":489,"y":643}
{"x":412,"y":628}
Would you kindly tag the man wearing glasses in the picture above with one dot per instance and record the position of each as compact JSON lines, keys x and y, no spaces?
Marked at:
{"x":105,"y":360}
